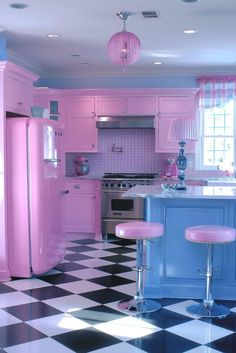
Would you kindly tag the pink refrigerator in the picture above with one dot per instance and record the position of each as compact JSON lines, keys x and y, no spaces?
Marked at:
{"x":34,"y":195}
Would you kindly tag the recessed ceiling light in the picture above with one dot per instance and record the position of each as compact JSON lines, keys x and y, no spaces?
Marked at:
{"x":75,"y":55}
{"x":190,"y":31}
{"x":157,"y":63}
{"x":18,"y":6}
{"x":190,"y":0}
{"x":53,"y":35}
{"x":85,"y":63}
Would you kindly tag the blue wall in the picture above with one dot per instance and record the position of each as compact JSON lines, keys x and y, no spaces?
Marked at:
{"x":119,"y":82}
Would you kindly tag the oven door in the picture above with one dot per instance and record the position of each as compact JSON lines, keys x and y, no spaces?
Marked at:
{"x":117,"y":207}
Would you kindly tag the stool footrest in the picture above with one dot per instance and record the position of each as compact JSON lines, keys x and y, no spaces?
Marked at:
{"x":210,"y":311}
{"x":135,"y":306}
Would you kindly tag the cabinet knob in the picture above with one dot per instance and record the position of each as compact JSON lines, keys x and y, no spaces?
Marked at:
{"x":19,"y":103}
{"x":77,"y":186}
{"x":93,"y":146}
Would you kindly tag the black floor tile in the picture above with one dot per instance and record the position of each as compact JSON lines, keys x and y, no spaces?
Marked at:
{"x":98,"y":314}
{"x":59,"y":278}
{"x":69,"y":266}
{"x":77,"y":257}
{"x":47,"y":292}
{"x":86,"y":241}
{"x":6,"y":289}
{"x":86,"y":340}
{"x":104,"y":296}
{"x":12,"y":335}
{"x":31,"y":311}
{"x":111,"y":281}
{"x":225,"y":345}
{"x":114,"y":269}
{"x":121,"y":250}
{"x":163,"y":342}
{"x":165,"y":318}
{"x":118,"y":258}
{"x":81,"y":248}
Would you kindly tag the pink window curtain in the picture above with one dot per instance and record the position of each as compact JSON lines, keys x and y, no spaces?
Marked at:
{"x":216,"y":91}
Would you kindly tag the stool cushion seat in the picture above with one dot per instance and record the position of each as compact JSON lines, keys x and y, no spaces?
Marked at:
{"x":212,"y":234}
{"x":139,"y":230}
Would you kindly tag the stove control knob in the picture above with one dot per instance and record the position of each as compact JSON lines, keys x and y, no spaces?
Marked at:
{"x":118,"y":185}
{"x":123,"y":185}
{"x":106,"y":185}
{"x":130,"y":185}
{"x":112,"y":185}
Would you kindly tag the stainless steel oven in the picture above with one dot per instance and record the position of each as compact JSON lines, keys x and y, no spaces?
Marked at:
{"x":117,"y":209}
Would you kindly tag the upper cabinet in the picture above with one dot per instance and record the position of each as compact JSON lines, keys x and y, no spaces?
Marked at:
{"x":81,"y":125}
{"x":18,"y":90}
{"x":172,"y":107}
{"x":130,"y":105}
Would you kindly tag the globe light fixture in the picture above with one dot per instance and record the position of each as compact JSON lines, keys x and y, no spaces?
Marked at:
{"x":124,"y":48}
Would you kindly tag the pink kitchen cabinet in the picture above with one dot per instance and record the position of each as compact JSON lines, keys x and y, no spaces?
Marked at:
{"x":82,"y":207}
{"x":170,"y":108}
{"x":18,"y":90}
{"x":130,"y":105}
{"x":81,"y":125}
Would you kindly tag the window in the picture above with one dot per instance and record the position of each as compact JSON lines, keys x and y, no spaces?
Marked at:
{"x":217,"y":137}
{"x":217,"y":127}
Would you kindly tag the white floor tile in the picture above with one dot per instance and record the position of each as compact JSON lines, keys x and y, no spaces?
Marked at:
{"x":127,"y":328}
{"x":199,"y":331}
{"x":57,"y":324}
{"x":29,"y":283}
{"x":70,"y":303}
{"x":120,"y":348}
{"x":82,"y":286}
{"x":38,"y":346}
{"x":129,"y":275}
{"x":98,"y":253}
{"x":94,"y":262}
{"x":180,"y":308}
{"x":129,"y":289}
{"x":7,"y":319}
{"x":15,"y":298}
{"x":202,"y":349}
{"x":87,"y":273}
{"x":129,"y":264}
{"x":104,"y":245}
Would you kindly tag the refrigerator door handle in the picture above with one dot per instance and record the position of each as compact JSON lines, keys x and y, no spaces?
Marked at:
{"x":52,"y":160}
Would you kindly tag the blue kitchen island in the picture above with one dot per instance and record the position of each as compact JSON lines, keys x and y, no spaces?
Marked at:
{"x":175,"y":264}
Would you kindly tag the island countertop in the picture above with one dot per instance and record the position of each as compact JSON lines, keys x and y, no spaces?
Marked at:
{"x":192,"y":192}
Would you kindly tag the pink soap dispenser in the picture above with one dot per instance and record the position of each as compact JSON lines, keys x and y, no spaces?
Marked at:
{"x":170,"y":167}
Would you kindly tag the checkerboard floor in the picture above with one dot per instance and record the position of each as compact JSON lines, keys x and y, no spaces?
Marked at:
{"x":74,"y":309}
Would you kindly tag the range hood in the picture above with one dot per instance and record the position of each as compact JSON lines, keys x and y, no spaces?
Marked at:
{"x":125,"y":122}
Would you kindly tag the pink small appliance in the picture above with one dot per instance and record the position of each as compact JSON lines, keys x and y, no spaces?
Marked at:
{"x":81,"y":165}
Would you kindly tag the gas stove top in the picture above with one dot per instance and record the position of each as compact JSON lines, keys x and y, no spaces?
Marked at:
{"x":124,"y":181}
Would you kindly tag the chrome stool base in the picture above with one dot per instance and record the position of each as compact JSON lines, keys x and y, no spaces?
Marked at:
{"x":134,"y":306}
{"x":210,"y":311}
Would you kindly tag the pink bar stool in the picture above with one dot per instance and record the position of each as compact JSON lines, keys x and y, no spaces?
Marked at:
{"x":139,"y":231}
{"x":209,"y":234}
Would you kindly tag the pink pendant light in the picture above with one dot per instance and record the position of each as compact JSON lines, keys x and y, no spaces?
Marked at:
{"x":124,"y":48}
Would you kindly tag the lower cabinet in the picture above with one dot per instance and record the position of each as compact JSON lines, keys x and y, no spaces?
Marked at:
{"x":82,"y":207}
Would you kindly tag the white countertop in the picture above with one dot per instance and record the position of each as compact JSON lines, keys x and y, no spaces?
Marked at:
{"x":192,"y":192}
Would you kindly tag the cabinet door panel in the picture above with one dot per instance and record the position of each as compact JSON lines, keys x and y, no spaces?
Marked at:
{"x":141,"y":105}
{"x":82,"y":106}
{"x":111,"y":105}
{"x":81,"y":134}
{"x":80,"y":213}
{"x":175,"y":105}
